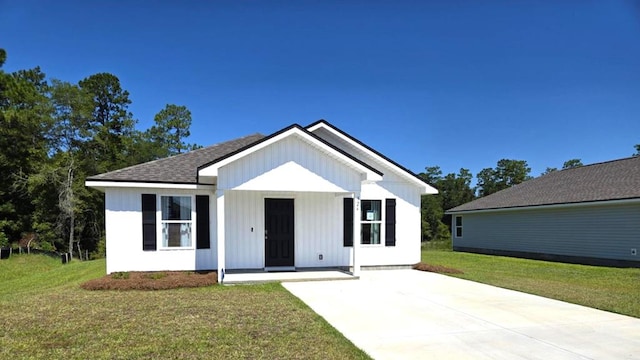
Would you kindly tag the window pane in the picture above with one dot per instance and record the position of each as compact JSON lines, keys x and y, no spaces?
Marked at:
{"x":459,"y":231}
{"x":370,"y":234}
{"x":458,"y":220}
{"x":370,"y":210}
{"x":176,"y":207}
{"x":176,"y":234}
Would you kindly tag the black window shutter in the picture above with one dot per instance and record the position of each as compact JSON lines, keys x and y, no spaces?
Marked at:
{"x":390,"y":222}
{"x":202,"y":222}
{"x":348,"y":222}
{"x":149,"y":222}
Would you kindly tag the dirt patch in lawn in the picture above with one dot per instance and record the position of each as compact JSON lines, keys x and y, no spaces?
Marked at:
{"x":436,"y":268}
{"x":160,"y":280}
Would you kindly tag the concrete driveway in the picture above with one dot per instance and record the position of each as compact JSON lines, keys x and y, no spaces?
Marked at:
{"x":408,"y":314}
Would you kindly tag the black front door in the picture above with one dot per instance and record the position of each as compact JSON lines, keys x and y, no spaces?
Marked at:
{"x":278,"y":232}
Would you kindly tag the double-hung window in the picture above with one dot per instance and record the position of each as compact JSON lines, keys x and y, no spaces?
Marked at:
{"x":176,"y":221}
{"x":458,"y":226}
{"x":371,"y":221}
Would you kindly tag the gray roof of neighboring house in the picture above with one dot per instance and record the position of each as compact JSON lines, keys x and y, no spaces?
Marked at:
{"x":180,"y":169}
{"x":612,"y":180}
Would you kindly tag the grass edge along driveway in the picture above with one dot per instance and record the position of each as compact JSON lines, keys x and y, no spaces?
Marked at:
{"x":606,"y":288}
{"x":45,"y":314}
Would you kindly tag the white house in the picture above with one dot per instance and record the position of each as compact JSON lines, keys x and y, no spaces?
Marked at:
{"x":294,"y":199}
{"x":589,"y":215}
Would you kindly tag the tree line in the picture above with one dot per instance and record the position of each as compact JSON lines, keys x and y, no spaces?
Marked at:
{"x":455,"y":189}
{"x":53,"y":135}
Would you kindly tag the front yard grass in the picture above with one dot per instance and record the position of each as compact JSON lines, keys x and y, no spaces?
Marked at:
{"x":45,"y":314}
{"x":611,"y":289}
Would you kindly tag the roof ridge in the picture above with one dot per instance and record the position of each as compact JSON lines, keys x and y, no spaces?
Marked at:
{"x":602,"y":162}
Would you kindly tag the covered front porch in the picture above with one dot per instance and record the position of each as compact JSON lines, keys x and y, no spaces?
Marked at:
{"x":272,"y":235}
{"x":280,"y":205}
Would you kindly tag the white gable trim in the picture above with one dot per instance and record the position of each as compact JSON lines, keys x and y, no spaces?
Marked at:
{"x":369,"y":173}
{"x":424,"y":187}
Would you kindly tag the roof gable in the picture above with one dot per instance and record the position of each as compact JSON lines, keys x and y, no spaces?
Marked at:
{"x":612,"y":180}
{"x":372,"y":153}
{"x":197,"y":167}
{"x":211,"y":169}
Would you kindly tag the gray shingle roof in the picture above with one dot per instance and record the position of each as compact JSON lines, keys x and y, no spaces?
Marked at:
{"x":612,"y":180}
{"x":181,"y":169}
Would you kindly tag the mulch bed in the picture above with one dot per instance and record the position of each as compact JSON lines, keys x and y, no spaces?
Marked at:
{"x":436,"y":269}
{"x":161,"y":280}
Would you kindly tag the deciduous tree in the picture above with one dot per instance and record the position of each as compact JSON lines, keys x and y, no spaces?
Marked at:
{"x":573,"y":163}
{"x":507,"y":173}
{"x":24,"y":122}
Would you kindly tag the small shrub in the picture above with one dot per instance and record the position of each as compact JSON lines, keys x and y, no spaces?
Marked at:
{"x":120,"y":275}
{"x":101,"y":249}
{"x":45,"y":246}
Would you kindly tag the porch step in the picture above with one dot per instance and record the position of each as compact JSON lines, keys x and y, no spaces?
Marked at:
{"x":263,"y":277}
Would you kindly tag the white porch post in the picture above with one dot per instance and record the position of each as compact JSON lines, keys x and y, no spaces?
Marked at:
{"x":356,"y":234}
{"x":220,"y":233}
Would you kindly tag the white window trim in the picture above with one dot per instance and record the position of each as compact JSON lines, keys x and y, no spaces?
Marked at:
{"x":159,"y":223}
{"x":456,"y":227}
{"x":381,"y":222}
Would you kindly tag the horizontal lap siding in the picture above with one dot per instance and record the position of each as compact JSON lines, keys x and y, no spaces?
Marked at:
{"x":602,"y":231}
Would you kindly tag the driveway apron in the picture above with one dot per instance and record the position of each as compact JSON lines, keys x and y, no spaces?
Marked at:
{"x":409,"y":314}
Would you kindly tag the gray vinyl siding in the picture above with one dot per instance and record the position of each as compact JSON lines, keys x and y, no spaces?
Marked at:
{"x":597,"y":231}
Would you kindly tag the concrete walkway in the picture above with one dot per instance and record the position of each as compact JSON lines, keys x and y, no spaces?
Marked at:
{"x":255,"y":277}
{"x":408,"y":314}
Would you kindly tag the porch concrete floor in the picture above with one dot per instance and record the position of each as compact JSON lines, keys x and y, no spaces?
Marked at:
{"x":253,"y":277}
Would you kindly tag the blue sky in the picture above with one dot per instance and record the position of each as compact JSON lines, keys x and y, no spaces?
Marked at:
{"x":448,"y":83}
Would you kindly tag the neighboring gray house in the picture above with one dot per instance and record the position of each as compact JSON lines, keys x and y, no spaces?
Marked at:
{"x":589,"y":214}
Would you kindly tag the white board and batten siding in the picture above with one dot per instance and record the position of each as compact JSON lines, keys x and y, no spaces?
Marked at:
{"x":607,"y":231}
{"x":317,"y":229}
{"x":292,"y":168}
{"x":123,"y":222}
{"x":291,"y":165}
{"x":314,"y":177}
{"x":407,"y":248}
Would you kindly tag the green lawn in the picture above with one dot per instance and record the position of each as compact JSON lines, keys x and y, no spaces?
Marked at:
{"x":44,"y":314}
{"x":611,"y":289}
